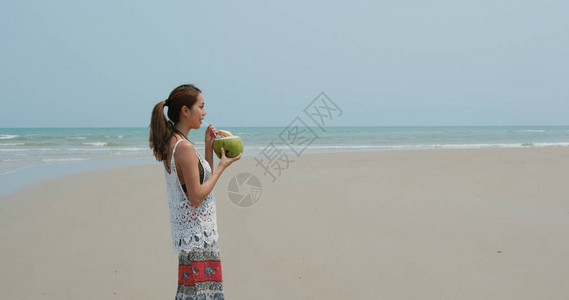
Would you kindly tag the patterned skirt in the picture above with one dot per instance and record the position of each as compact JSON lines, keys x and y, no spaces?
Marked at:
{"x":199,"y":275}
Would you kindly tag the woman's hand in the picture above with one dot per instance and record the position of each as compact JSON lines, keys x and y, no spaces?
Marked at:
{"x":224,"y":162}
{"x":210,"y":136}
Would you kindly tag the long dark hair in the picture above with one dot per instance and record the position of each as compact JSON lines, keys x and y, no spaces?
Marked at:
{"x":162,"y":129}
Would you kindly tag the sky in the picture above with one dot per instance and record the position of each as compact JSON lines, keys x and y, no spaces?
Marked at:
{"x":260,"y":63}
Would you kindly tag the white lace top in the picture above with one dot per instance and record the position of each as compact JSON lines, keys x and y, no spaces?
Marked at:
{"x":192,"y":227}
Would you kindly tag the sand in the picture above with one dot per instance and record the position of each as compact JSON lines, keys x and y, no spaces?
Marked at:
{"x":440,"y":224}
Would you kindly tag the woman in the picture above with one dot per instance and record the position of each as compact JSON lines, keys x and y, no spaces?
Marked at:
{"x":189,"y":183}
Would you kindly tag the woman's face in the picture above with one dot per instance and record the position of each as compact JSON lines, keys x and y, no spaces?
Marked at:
{"x":197,"y":113}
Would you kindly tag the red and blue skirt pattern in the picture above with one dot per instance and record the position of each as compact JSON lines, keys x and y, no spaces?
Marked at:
{"x":199,"y":275}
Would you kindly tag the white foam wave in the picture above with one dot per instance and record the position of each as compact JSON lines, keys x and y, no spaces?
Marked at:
{"x":12,"y":144}
{"x":8,"y":136}
{"x":76,"y":138}
{"x":14,"y":150}
{"x":62,"y":159}
{"x":108,"y":149}
{"x":132,"y":149}
{"x":15,"y":170}
{"x":32,"y":149}
{"x":531,"y":130}
{"x":551,"y":144}
{"x":414,"y":147}
{"x":97,"y":144}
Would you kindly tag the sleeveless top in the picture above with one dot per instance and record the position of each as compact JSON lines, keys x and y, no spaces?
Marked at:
{"x":192,"y":227}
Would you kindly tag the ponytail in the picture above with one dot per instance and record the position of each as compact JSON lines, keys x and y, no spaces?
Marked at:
{"x":160,"y":132}
{"x":161,"y":129}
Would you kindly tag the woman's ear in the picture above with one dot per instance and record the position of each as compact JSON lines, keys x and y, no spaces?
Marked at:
{"x":188,"y":110}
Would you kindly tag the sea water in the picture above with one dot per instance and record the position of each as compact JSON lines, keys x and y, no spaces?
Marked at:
{"x":32,"y":154}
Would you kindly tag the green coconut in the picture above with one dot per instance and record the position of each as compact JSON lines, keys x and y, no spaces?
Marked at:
{"x":233,"y":145}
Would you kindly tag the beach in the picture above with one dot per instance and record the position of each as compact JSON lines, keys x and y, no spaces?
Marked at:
{"x":415,"y":224}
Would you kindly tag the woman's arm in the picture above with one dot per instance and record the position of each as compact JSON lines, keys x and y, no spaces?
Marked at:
{"x":209,"y":155}
{"x":210,"y":135}
{"x":187,"y":160}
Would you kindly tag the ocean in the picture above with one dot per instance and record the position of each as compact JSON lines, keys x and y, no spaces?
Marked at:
{"x":28,"y":155}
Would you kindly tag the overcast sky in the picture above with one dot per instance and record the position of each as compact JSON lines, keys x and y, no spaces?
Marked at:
{"x":387,"y":63}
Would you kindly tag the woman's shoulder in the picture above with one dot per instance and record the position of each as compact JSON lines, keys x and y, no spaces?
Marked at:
{"x":178,"y":142}
{"x":184,"y":146}
{"x":186,"y":151}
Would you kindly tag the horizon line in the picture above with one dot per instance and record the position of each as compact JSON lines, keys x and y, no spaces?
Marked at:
{"x":272,"y":126}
